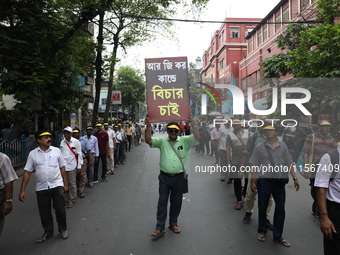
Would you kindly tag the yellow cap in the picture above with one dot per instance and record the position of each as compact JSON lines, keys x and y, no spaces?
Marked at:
{"x":173,"y":126}
{"x":98,"y":125}
{"x":236,"y":121}
{"x":76,"y":131}
{"x":88,"y":128}
{"x":106,"y":124}
{"x":119,"y":124}
{"x":325,"y":123}
{"x":269,"y":128}
{"x":45,"y":133}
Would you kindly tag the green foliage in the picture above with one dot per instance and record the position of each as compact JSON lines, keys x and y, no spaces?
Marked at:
{"x":313,"y":57}
{"x":132,"y":86}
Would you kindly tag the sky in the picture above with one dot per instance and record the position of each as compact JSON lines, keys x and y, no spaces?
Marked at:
{"x":194,"y":38}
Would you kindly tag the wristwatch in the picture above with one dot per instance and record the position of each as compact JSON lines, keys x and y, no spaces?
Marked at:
{"x":294,"y":178}
{"x":9,"y":200}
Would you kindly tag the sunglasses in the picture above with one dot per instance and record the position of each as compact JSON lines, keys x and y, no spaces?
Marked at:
{"x":173,"y":131}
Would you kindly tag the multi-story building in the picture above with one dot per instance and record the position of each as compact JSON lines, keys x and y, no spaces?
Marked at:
{"x":261,"y":44}
{"x":227,"y":48}
{"x":227,"y":56}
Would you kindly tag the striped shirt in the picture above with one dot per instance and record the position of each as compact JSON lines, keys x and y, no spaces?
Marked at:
{"x":321,"y":145}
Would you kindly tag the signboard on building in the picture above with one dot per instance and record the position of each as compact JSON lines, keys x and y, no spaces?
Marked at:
{"x":116,"y":97}
{"x":167,"y":89}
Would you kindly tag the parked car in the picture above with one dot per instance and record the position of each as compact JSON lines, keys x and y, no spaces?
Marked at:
{"x":288,"y":137}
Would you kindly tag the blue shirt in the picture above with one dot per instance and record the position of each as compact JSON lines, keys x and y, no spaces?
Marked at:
{"x":85,"y":146}
{"x":93,"y":144}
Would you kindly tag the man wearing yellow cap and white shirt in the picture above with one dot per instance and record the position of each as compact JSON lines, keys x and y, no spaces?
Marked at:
{"x":173,"y":159}
{"x":51,"y":183}
{"x":112,"y":143}
{"x":318,"y":143}
{"x":70,"y":148}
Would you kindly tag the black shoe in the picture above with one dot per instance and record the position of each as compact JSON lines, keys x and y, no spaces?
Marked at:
{"x":246,"y":218}
{"x":230,"y":181}
{"x":269,"y":226}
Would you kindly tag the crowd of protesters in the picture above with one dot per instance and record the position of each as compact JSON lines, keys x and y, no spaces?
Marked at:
{"x":62,"y":173}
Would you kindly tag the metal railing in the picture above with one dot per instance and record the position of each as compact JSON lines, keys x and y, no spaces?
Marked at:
{"x":19,"y":148}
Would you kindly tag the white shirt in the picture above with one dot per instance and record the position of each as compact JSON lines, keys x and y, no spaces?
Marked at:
{"x":7,"y":173}
{"x":111,"y":135}
{"x":70,"y":158}
{"x":118,"y":136}
{"x":47,"y":167}
{"x":222,"y":135}
{"x":323,"y":175}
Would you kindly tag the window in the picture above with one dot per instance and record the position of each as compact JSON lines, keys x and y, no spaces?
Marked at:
{"x":278,"y":21}
{"x":265,"y":33}
{"x":234,"y":33}
{"x":244,"y":84}
{"x":222,"y":38}
{"x":304,"y":3}
{"x":259,"y":37}
{"x":104,"y":101}
{"x":221,"y":65}
{"x":250,"y":80}
{"x":250,"y":45}
{"x":285,"y":16}
{"x":248,"y":31}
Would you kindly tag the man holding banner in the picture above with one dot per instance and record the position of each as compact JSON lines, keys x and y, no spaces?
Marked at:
{"x":172,"y":178}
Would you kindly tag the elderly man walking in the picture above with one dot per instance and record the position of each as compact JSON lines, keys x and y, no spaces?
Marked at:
{"x":70,"y":148}
{"x":174,"y":155}
{"x":51,"y":183}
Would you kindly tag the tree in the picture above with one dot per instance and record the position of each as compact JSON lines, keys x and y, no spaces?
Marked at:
{"x":131,"y":22}
{"x":312,"y":57}
{"x":44,"y":48}
{"x":132,"y":86}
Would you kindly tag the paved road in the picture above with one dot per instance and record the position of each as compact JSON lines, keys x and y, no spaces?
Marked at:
{"x":118,"y":217}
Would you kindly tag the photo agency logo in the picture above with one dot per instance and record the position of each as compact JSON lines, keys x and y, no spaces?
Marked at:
{"x":238,"y":107}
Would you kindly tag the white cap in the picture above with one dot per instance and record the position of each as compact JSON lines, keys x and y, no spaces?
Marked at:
{"x":68,"y":128}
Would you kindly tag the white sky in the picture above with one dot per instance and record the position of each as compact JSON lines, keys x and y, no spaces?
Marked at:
{"x":195,"y":38}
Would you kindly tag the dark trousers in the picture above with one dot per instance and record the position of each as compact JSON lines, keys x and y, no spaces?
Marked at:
{"x":204,"y":142}
{"x":116,"y":153}
{"x":44,"y":198}
{"x":102,"y":157}
{"x":129,"y":138}
{"x":238,"y":184}
{"x":122,"y":155}
{"x":173,"y":187}
{"x":214,"y":150}
{"x":265,"y":188}
{"x":332,"y":246}
{"x":2,"y":217}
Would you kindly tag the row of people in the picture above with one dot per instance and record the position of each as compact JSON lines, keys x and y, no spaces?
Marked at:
{"x":61,"y":174}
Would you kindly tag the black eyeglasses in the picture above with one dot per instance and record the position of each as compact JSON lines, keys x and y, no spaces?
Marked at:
{"x":173,"y":131}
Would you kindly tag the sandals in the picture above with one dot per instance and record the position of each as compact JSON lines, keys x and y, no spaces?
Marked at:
{"x":175,"y":229}
{"x":44,"y":237}
{"x":238,"y":206}
{"x":261,"y":237}
{"x":158,"y":233}
{"x":282,"y":241}
{"x":64,"y":235}
{"x":69,"y":205}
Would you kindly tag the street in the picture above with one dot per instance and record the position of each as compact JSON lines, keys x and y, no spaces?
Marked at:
{"x":119,"y":216}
